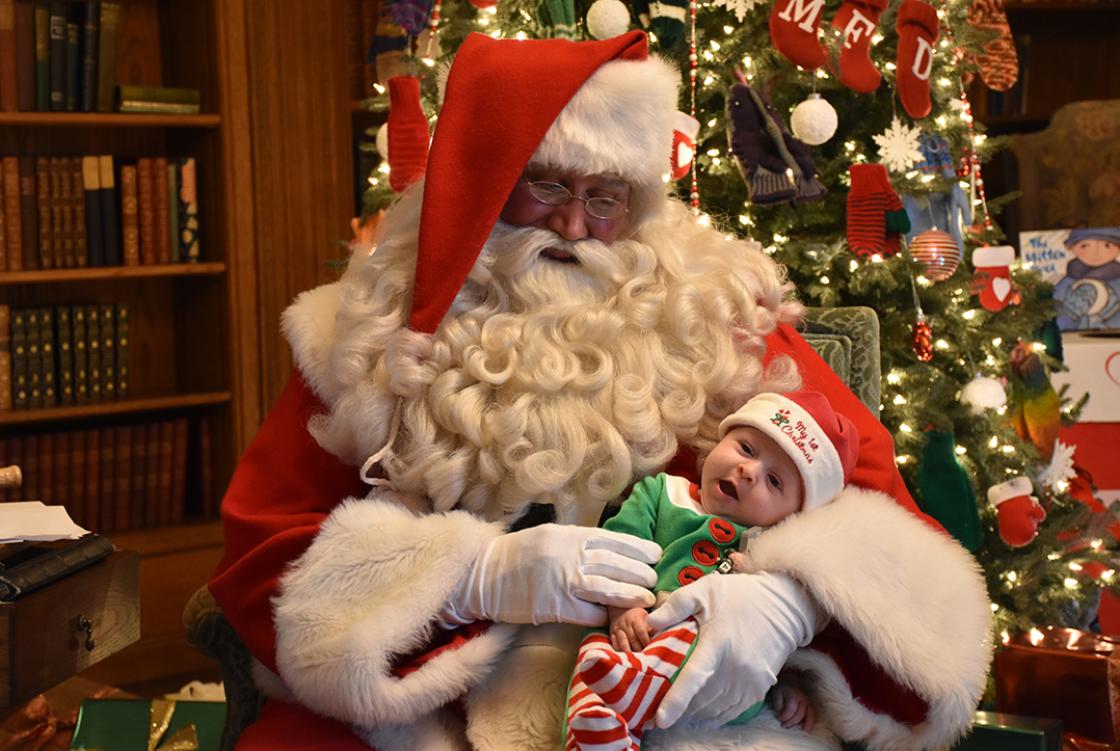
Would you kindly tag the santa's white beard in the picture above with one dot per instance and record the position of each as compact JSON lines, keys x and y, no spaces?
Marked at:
{"x":548,"y":382}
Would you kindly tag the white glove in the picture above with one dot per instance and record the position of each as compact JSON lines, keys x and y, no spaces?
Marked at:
{"x":749,"y":626}
{"x":555,"y":573}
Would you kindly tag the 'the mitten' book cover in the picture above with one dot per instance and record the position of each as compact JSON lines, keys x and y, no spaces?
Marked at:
{"x":1084,"y":266}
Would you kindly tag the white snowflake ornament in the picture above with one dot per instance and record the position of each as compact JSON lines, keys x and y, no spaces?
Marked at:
{"x":898,"y":146}
{"x":1060,"y":471}
{"x":739,"y":7}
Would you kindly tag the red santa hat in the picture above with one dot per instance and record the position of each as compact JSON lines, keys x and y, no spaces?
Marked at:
{"x":821,"y":442}
{"x":602,"y":107}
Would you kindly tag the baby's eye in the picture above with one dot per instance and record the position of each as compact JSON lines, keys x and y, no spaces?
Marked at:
{"x":775,"y":481}
{"x":746,"y":448}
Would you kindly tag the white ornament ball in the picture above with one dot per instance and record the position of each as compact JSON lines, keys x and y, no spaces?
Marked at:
{"x":381,"y":141}
{"x":983,"y":393}
{"x":607,"y":18}
{"x":814,"y":121}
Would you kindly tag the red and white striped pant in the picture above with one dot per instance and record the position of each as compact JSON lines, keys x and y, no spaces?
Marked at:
{"x":614,"y":695}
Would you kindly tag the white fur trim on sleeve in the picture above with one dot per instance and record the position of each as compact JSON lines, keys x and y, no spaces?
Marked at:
{"x":912,"y":596}
{"x":308,"y":324}
{"x":368,"y":590}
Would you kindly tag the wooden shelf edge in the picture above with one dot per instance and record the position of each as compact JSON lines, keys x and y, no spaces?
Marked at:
{"x":111,"y":272}
{"x":124,"y":407}
{"x":177,"y":537}
{"x":107,"y":119}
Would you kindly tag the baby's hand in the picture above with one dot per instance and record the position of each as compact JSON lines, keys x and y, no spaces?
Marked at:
{"x":792,"y":707}
{"x":630,"y":630}
{"x":739,"y":563}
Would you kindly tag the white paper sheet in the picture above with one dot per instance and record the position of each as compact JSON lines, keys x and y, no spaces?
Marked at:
{"x":34,"y":520}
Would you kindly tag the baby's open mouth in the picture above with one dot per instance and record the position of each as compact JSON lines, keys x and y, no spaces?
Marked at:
{"x":729,"y":489}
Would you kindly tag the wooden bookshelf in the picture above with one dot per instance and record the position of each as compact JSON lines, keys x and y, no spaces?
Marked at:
{"x":193,"y":327}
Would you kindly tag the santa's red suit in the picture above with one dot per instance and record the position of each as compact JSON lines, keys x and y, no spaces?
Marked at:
{"x":339,"y":592}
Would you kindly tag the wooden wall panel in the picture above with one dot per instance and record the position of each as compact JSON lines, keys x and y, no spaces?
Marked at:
{"x":302,"y":171}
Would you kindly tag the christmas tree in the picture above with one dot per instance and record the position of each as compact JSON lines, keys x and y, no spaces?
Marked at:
{"x":839,"y":137}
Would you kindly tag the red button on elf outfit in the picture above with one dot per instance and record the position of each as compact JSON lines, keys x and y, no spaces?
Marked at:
{"x":705,"y":553}
{"x":721,"y":530}
{"x":689,"y":574}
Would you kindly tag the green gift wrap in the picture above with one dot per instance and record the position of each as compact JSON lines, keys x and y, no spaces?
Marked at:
{"x":997,"y":731}
{"x":145,"y":725}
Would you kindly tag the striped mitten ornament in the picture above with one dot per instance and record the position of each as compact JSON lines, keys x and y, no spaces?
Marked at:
{"x":876,"y":217}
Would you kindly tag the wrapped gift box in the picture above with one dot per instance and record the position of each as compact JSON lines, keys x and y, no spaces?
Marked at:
{"x":996,"y":731}
{"x":126,"y":725}
{"x":1063,"y":673}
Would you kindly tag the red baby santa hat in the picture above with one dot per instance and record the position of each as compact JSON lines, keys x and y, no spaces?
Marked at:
{"x":823,"y":443}
{"x":602,"y":107}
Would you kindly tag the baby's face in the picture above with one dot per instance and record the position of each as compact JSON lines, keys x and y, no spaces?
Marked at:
{"x":1096,"y":252}
{"x":748,"y":479}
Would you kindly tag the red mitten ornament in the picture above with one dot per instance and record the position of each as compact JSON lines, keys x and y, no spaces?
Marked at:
{"x":685,"y":130}
{"x":917,"y":28}
{"x":408,"y":133}
{"x":992,"y":277}
{"x":1019,"y":511}
{"x":856,"y":20}
{"x":793,"y":29}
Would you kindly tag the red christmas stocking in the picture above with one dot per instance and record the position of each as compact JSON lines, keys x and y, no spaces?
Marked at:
{"x":872,"y":206}
{"x":856,"y":21}
{"x":793,"y":29}
{"x":991,"y":280}
{"x":1018,"y":510}
{"x":917,"y":28}
{"x":408,"y":133}
{"x":999,"y":64}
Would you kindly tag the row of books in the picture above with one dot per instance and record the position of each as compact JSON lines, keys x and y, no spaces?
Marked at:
{"x":58,"y":55}
{"x":67,"y":212}
{"x":118,"y":477}
{"x":61,"y":356}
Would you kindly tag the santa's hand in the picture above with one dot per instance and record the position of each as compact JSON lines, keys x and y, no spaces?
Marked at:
{"x":555,"y":573}
{"x":749,"y":625}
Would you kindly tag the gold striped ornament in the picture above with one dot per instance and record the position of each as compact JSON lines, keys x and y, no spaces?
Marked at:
{"x":937,"y":252}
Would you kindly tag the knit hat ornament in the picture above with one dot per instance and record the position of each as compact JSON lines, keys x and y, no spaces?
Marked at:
{"x":599,"y":107}
{"x":822,"y":443}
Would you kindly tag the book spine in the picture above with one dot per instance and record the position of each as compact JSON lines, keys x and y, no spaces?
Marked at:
{"x":92,"y":462}
{"x":107,"y":511}
{"x":5,"y":359}
{"x":159,"y":94}
{"x":73,"y":57}
{"x":166,"y":459}
{"x":91,"y":27}
{"x":34,"y":361}
{"x":61,"y":450}
{"x":64,"y":340}
{"x":146,"y":194}
{"x":108,"y":352}
{"x":188,"y":210}
{"x":81,"y":360}
{"x":179,"y":437}
{"x":130,"y":215}
{"x":163,"y":210}
{"x":158,"y":108}
{"x":121,"y":351}
{"x":91,"y":194}
{"x":12,"y":212}
{"x":62,"y":214}
{"x":31,"y":467}
{"x":9,"y":97}
{"x":3,"y":229}
{"x":42,"y":17}
{"x":25,"y":55}
{"x":49,"y":353}
{"x":80,"y":259}
{"x":45,"y":205}
{"x":58,"y":54}
{"x":173,"y":210}
{"x":43,"y":569}
{"x":76,"y":502}
{"x":93,"y":353}
{"x":137,"y":500}
{"x":111,"y":247}
{"x":20,"y":393}
{"x":46,"y":469}
{"x":29,"y":212}
{"x":151,"y":475}
{"x":107,"y":54}
{"x":122,"y":454}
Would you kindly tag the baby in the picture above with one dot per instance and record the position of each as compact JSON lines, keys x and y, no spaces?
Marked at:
{"x":777,"y":455}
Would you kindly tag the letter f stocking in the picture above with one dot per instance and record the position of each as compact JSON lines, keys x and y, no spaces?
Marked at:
{"x":856,"y":21}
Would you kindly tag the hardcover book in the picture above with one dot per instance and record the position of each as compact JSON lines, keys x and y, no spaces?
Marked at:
{"x":188,"y":210}
{"x":122,"y":351}
{"x":92,"y":461}
{"x":91,"y":193}
{"x":122,"y":454}
{"x":29,"y":212}
{"x":108,"y":352}
{"x":49,"y":356}
{"x":163,"y":210}
{"x":34,"y":360}
{"x":166,"y":461}
{"x":180,"y":432}
{"x":62,"y":469}
{"x":106,"y":511}
{"x":78,"y":202}
{"x":3,"y":231}
{"x":12,"y":212}
{"x":76,"y":503}
{"x":42,"y":18}
{"x":65,"y":348}
{"x":111,"y":244}
{"x":151,"y":475}
{"x":57,"y":52}
{"x":62,"y":211}
{"x":81,"y":360}
{"x":91,"y":29}
{"x":9,"y":98}
{"x":93,"y":353}
{"x":73,"y":56}
{"x":138,"y":499}
{"x":173,"y":210}
{"x":25,"y":55}
{"x":5,"y":359}
{"x":146,"y":196}
{"x":44,"y":213}
{"x":130,"y":215}
{"x":21,"y":397}
{"x":46,"y":469}
{"x":107,"y":54}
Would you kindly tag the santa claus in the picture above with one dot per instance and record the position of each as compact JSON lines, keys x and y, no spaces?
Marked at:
{"x":538,"y":326}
